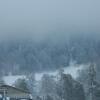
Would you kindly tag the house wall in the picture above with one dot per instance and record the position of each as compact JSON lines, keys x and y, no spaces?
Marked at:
{"x":15,"y":93}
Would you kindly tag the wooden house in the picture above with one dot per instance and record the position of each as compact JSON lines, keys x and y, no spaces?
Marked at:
{"x":11,"y":93}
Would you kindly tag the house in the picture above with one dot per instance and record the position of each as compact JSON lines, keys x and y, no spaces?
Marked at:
{"x":11,"y":93}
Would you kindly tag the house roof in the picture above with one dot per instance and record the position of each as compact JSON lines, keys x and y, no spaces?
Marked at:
{"x":14,"y":92}
{"x":11,"y":87}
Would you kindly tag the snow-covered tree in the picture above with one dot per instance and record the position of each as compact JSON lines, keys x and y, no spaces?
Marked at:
{"x":92,"y":81}
{"x":21,"y":84}
{"x":48,"y":97}
{"x":48,"y":86}
{"x":68,"y":88}
{"x":38,"y":98}
{"x":31,"y":82}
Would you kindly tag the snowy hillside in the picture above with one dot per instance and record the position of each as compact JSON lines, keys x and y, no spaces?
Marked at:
{"x":10,"y":79}
{"x":73,"y":70}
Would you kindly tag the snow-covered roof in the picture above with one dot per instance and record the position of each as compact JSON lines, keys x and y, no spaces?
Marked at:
{"x":10,"y":79}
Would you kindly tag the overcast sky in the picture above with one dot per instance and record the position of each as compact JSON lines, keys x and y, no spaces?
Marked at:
{"x":38,"y":18}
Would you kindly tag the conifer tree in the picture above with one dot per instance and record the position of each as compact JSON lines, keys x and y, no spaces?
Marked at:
{"x":91,"y":81}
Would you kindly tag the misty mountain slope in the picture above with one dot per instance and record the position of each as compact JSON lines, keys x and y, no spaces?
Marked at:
{"x":23,"y":56}
{"x":72,"y":70}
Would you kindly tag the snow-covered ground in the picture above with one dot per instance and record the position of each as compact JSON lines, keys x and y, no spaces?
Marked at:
{"x":73,"y":69}
{"x":10,"y":79}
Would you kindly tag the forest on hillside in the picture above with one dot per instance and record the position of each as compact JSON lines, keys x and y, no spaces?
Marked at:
{"x":25,"y":56}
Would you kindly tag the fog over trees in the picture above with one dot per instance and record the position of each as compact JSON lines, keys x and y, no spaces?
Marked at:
{"x":23,"y":56}
{"x":38,"y":36}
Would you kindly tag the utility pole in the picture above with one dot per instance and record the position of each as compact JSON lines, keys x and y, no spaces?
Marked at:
{"x":91,"y":81}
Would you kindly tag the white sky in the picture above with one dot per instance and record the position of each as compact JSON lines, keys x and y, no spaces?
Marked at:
{"x":38,"y":18}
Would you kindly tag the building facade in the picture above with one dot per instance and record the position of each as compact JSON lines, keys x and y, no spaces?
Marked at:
{"x":11,"y":93}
